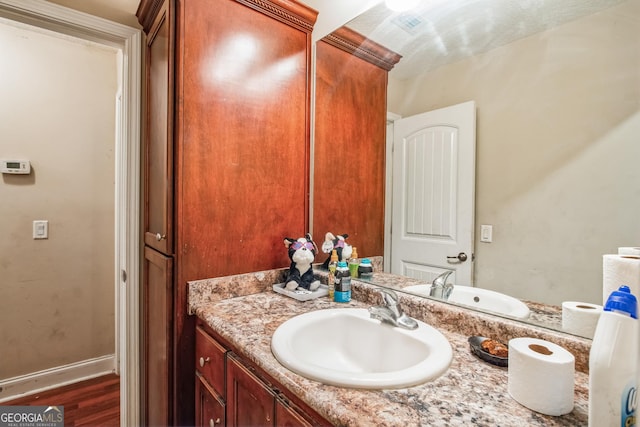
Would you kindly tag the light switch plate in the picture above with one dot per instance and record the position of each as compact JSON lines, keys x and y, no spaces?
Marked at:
{"x":486,"y":233}
{"x":40,"y":229}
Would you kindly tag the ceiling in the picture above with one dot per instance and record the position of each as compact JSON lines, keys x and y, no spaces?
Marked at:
{"x":439,"y":32}
{"x":435,"y":33}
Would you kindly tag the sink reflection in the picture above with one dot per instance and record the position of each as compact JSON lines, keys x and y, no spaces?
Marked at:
{"x":481,"y":299}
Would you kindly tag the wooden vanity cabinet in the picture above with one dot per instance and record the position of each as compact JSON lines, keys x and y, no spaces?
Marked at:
{"x":227,"y":160}
{"x":210,"y":409}
{"x":251,"y":402}
{"x":233,"y":392}
{"x":210,"y":362}
{"x":350,"y":136}
{"x":287,"y":417}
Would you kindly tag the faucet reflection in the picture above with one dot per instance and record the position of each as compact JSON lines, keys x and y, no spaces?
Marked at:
{"x":390,"y":312}
{"x":440,"y":288}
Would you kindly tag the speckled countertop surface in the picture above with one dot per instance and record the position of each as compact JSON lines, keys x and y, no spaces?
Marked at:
{"x":245,"y":311}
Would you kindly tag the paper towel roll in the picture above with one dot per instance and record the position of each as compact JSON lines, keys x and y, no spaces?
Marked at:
{"x":629,"y":251}
{"x":618,"y":270}
{"x":580,"y":318}
{"x":541,"y":376}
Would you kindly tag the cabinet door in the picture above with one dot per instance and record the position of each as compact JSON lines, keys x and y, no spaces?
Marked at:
{"x":242,"y":147}
{"x":288,"y":417}
{"x":351,"y":110}
{"x":249,"y":401}
{"x":209,"y":408}
{"x":158,"y":182}
{"x":157,"y":321}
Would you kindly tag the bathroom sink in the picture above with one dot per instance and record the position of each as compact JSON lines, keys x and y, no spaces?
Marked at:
{"x":345,"y":347}
{"x":481,"y":299}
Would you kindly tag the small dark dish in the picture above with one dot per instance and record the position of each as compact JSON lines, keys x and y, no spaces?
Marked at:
{"x":476,"y":348}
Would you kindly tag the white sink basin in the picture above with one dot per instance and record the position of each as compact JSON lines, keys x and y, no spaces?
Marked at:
{"x":481,"y":299}
{"x":345,"y":347}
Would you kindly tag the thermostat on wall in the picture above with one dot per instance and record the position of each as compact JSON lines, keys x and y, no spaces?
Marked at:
{"x":19,"y":167}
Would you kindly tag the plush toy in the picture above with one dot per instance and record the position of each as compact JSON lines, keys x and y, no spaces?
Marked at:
{"x":302,"y":252}
{"x":339,"y":243}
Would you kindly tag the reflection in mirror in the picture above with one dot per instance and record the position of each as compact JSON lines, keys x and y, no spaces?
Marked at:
{"x":557,"y":93}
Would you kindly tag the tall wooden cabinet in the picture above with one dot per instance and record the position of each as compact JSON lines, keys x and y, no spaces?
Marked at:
{"x":350,"y":128}
{"x":158,"y":278}
{"x":226,"y":161}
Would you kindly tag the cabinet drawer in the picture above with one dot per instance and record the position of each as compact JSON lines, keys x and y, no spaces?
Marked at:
{"x":210,"y":360}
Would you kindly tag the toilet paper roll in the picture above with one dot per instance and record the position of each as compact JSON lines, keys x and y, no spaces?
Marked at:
{"x":629,"y":251}
{"x":618,"y":270}
{"x":580,"y":318}
{"x":541,"y":376}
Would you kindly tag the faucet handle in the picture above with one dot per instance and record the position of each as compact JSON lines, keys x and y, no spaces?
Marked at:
{"x":389,"y":297}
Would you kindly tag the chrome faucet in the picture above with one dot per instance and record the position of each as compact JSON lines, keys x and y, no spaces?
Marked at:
{"x":440,"y":288}
{"x":390,"y":312}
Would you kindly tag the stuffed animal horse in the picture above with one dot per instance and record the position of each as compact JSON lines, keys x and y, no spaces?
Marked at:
{"x":302,"y":252}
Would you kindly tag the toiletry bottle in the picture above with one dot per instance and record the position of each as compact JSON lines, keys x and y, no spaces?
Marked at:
{"x":365,"y":269}
{"x":613,"y":362}
{"x":343,"y":283}
{"x":353,"y":263}
{"x":333,"y":265}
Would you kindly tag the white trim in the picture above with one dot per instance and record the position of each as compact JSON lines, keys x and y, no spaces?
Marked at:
{"x":312,"y":140}
{"x":128,"y":40}
{"x":55,"y":377}
{"x":388,"y":189}
{"x":129,"y":242}
{"x":119,"y":293}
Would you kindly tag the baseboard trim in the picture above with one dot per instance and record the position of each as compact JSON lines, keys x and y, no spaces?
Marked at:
{"x":37,"y":382}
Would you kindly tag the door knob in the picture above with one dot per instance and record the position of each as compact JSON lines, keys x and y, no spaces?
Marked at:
{"x":461,"y":257}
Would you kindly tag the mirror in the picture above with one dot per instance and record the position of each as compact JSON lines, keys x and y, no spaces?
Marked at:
{"x":557,"y":90}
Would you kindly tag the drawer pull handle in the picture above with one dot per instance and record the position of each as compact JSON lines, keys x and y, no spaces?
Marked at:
{"x":203,"y":361}
{"x":213,"y":423}
{"x":160,"y":237}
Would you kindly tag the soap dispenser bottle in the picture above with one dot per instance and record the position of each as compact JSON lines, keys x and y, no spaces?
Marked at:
{"x":333,"y":265}
{"x":343,"y":283}
{"x":365,"y":269}
{"x":613,"y":362}
{"x":354,"y":263}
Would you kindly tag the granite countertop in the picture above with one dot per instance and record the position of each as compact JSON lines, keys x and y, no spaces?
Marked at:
{"x":245,"y":312}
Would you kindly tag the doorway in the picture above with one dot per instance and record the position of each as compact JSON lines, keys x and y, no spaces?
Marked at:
{"x":128,"y":43}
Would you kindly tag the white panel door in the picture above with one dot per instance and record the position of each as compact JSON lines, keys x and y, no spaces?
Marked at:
{"x":433,"y":194}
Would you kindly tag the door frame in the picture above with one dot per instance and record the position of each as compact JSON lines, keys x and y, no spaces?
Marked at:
{"x":128,"y":41}
{"x":388,"y":189}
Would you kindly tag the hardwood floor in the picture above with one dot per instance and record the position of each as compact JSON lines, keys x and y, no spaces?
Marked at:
{"x":94,"y":402}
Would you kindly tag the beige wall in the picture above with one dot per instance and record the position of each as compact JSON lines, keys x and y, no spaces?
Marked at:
{"x":558,"y":176}
{"x":57,"y":109}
